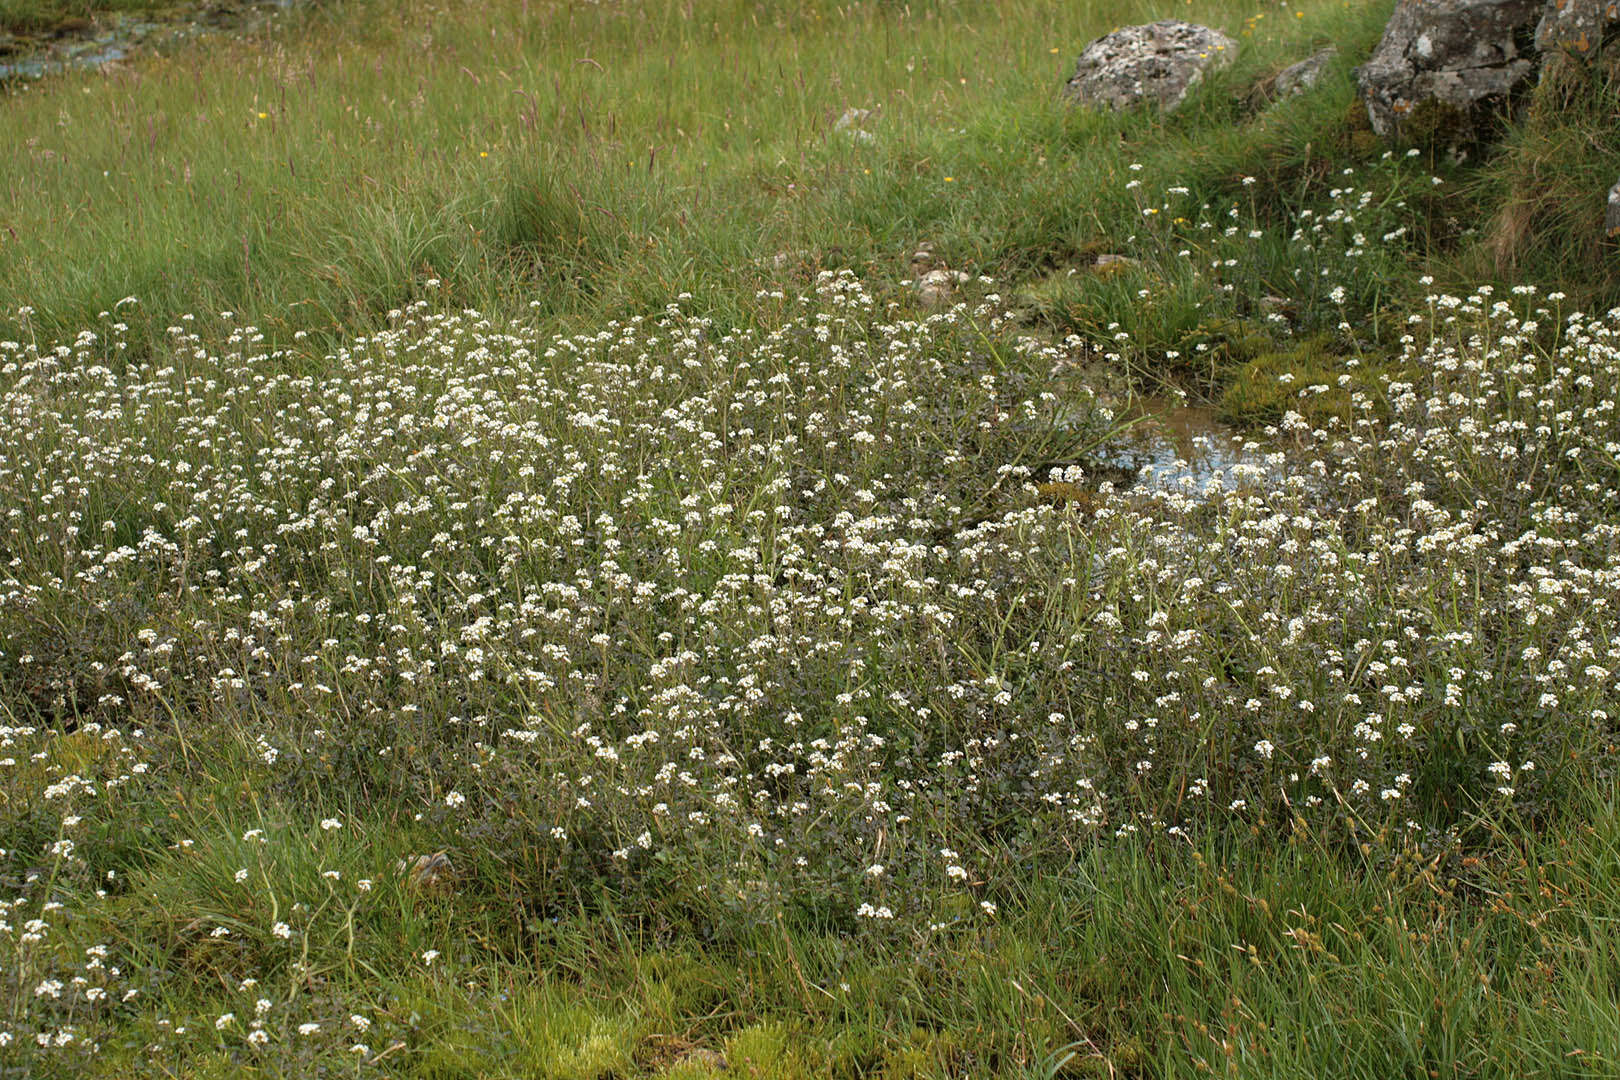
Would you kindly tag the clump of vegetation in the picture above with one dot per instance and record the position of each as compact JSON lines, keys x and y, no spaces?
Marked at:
{"x":1313,"y":377}
{"x":1547,"y":186}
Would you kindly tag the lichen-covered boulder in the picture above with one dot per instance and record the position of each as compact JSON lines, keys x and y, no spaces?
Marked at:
{"x":1462,"y":59}
{"x":1576,"y":26}
{"x":1156,"y":63}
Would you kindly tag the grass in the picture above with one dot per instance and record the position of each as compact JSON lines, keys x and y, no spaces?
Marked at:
{"x":306,"y":192}
{"x":509,"y":432}
{"x":509,"y":163}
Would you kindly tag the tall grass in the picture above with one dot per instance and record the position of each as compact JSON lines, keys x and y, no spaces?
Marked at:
{"x":304,"y":183}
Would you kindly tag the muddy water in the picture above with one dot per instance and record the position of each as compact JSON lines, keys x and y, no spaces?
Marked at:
{"x":1171,"y":445}
{"x":116,"y":37}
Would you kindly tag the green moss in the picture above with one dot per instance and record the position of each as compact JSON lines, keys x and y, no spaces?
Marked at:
{"x":544,"y":1032}
{"x":693,"y":1069}
{"x":923,"y":1053}
{"x":1261,"y":390}
{"x":764,"y":1052}
{"x":1358,"y":138}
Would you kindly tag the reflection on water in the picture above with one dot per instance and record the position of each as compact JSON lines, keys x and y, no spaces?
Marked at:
{"x":1173,"y":445}
{"x":35,"y":67}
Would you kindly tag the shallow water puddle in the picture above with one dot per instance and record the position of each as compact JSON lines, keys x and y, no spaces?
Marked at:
{"x":1170,"y":444}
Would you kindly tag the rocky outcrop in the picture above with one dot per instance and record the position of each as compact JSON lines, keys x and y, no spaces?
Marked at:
{"x":1576,"y":26}
{"x":1449,"y":62}
{"x":1152,"y":64}
{"x":1444,"y":67}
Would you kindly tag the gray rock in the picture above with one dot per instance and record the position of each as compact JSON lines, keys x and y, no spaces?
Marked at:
{"x":1156,"y":63}
{"x":1465,"y":56}
{"x":1576,"y":26}
{"x":922,"y":260}
{"x":936,"y":287}
{"x":703,"y":1058}
{"x":784,"y":260}
{"x":1302,"y":76}
{"x":852,"y":123}
{"x":1113,"y":264}
{"x":1611,"y":219}
{"x":427,"y":873}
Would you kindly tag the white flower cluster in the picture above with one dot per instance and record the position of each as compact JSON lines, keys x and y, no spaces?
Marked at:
{"x":812,"y":615}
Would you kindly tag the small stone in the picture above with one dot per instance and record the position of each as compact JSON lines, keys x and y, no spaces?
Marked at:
{"x":852,"y":118}
{"x":1156,"y":63}
{"x":1611,"y":219}
{"x":937,"y":286}
{"x":1109,"y":264}
{"x":427,"y":874}
{"x":704,"y":1057}
{"x":1300,"y":77}
{"x":852,"y":123}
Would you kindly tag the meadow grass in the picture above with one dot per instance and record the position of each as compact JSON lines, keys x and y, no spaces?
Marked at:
{"x":603,"y":158}
{"x":503,"y":440}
